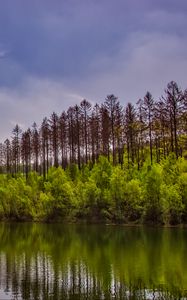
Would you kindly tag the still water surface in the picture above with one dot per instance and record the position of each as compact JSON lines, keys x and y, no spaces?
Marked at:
{"x":40,"y":261}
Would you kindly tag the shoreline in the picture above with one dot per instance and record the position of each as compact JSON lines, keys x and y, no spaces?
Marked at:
{"x":84,"y":222}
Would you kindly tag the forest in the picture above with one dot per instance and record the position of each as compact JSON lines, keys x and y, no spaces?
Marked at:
{"x":102,"y":163}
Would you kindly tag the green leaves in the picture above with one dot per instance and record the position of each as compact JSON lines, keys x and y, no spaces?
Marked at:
{"x":172,"y":204}
{"x":155,"y":194}
{"x":101,"y":173}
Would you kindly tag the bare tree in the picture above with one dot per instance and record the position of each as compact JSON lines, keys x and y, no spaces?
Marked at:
{"x":174,"y":98}
{"x":85,"y":108}
{"x":16,"y":148}
{"x":62,"y":123}
{"x":26,"y":151}
{"x":131,"y":131}
{"x":45,"y":139}
{"x":35,"y":146}
{"x":53,"y":122}
{"x":112,"y":105}
{"x":148,"y":107}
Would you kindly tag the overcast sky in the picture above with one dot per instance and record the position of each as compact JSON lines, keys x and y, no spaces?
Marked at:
{"x":55,"y":53}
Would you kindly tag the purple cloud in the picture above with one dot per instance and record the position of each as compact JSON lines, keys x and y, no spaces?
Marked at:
{"x":89,"y":48}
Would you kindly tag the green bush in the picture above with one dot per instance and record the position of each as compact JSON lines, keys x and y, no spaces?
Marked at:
{"x":152,"y":195}
{"x":156,"y":193}
{"x":172,"y":204}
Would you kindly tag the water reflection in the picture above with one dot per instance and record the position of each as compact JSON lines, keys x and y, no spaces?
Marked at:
{"x":92,"y":262}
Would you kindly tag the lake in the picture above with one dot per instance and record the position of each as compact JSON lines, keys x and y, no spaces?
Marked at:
{"x":49,"y":261}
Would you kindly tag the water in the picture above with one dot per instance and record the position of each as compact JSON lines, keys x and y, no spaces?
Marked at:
{"x":40,"y":261}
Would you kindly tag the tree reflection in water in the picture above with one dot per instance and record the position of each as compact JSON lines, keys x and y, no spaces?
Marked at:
{"x":92,"y":262}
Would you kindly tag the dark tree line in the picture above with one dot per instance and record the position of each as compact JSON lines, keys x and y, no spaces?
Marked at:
{"x":84,"y":132}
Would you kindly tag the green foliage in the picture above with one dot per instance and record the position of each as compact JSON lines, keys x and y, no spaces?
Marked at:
{"x":126,"y":196}
{"x":155,"y":194}
{"x":182,"y":182}
{"x":90,"y":199}
{"x":170,"y":169}
{"x":117,"y":187}
{"x":60,"y":189}
{"x":101,"y":173}
{"x":134,"y":199}
{"x":17,"y":199}
{"x":72,"y":171}
{"x":152,"y":191}
{"x":172,"y":204}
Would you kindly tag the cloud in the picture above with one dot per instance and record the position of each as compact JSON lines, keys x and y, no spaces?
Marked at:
{"x":63,"y":51}
{"x":2,"y":54}
{"x":146,"y":62}
{"x":62,"y":39}
{"x":34,"y":100}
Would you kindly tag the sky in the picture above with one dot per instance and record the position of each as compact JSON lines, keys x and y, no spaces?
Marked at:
{"x":53,"y":54}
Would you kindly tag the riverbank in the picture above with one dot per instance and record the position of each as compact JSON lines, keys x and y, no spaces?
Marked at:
{"x":88,"y":222}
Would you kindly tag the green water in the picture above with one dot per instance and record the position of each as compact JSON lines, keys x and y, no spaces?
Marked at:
{"x":92,"y":262}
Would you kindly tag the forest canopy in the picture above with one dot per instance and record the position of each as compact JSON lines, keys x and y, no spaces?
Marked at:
{"x":103,"y":162}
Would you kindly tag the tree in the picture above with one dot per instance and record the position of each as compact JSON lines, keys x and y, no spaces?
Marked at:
{"x":95,"y":133}
{"x":148,"y":107}
{"x":45,"y":138}
{"x":62,"y":123}
{"x":26,"y":151}
{"x":131,"y":131}
{"x":35,"y":146}
{"x":16,"y":148}
{"x":105,"y":131}
{"x":141,"y":133}
{"x":2,"y":158}
{"x":8,"y":155}
{"x":161,"y":128}
{"x":174,"y":97}
{"x":112,"y":105}
{"x":53,"y":123}
{"x":85,"y":109}
{"x":71,"y":134}
{"x":119,"y":133}
{"x":153,"y":199}
{"x":184,"y":120}
{"x":78,"y":133}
